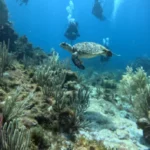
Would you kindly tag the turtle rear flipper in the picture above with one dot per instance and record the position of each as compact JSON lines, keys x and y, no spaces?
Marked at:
{"x":77,"y":62}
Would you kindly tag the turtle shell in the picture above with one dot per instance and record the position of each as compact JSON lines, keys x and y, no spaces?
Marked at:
{"x":89,"y":49}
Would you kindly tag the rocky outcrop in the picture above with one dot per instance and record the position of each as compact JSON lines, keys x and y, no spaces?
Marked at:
{"x":116,"y":131}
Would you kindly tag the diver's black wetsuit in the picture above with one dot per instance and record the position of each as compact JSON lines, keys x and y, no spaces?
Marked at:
{"x":72,"y":31}
{"x":97,"y":10}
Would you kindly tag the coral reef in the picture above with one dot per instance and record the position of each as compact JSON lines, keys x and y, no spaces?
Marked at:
{"x":24,"y":51}
{"x":14,"y":138}
{"x":39,"y":139}
{"x":50,"y":71}
{"x":7,"y":33}
{"x":3,"y":57}
{"x":58,"y":109}
{"x":6,"y":58}
{"x":144,"y":124}
{"x":134,"y":88}
{"x":13,"y":109}
{"x":23,"y":48}
{"x":45,"y":105}
{"x":84,"y":144}
{"x":69,"y":102}
{"x":20,"y":47}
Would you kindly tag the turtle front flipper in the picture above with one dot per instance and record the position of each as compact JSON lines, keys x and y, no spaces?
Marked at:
{"x":77,"y":62}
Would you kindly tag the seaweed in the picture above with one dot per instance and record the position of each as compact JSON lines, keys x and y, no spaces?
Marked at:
{"x":134,"y":88}
{"x":12,"y":108}
{"x":5,"y":58}
{"x":14,"y":138}
{"x":69,"y":103}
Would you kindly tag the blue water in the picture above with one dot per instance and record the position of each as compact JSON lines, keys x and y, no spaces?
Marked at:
{"x":45,"y":21}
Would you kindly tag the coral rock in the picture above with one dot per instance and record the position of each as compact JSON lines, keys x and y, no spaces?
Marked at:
{"x":81,"y":148}
{"x":142,"y":123}
{"x":146,"y":133}
{"x":29,"y":122}
{"x":70,"y":76}
{"x":122,"y":134}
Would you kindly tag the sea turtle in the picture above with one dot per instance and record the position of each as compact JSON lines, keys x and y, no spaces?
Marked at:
{"x":85,"y":50}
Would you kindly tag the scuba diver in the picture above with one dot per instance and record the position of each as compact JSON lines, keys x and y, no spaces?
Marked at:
{"x":106,"y":42}
{"x":72,"y":31}
{"x":97,"y":10}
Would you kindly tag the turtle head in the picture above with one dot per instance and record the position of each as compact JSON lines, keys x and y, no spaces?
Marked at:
{"x":66,"y":46}
{"x":107,"y":52}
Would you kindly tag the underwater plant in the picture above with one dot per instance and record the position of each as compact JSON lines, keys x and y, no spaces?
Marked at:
{"x":5,"y":59}
{"x":12,"y":108}
{"x":68,"y":110}
{"x":134,"y":88}
{"x":85,"y":144}
{"x":12,"y":137}
{"x":78,"y":103}
{"x":69,"y":103}
{"x":45,"y":72}
{"x":68,"y":107}
{"x":39,"y":139}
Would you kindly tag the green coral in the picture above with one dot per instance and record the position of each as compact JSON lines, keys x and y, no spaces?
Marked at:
{"x":39,"y":139}
{"x":134,"y":88}
{"x":69,"y":102}
{"x":4,"y":61}
{"x":45,"y":72}
{"x":14,"y":108}
{"x":13,"y":137}
{"x":86,"y":144}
